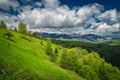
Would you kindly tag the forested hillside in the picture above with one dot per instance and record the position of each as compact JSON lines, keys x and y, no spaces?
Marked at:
{"x":109,"y":50}
{"x":25,"y":56}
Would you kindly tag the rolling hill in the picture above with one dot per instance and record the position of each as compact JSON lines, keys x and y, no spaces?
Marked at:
{"x":21,"y":59}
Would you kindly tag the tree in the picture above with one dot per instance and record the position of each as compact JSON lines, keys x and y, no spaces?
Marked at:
{"x":69,"y":60}
{"x":22,"y":28}
{"x":102,"y":72}
{"x":41,"y":42}
{"x":15,"y":29}
{"x":53,"y":57}
{"x":56,"y":50}
{"x":48,"y":47}
{"x":3,"y":25}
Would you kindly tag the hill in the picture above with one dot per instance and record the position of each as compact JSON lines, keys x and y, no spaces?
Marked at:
{"x":109,"y":49}
{"x":21,"y":59}
{"x":24,"y":57}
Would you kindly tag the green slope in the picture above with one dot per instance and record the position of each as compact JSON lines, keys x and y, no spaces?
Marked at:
{"x":26,"y":60}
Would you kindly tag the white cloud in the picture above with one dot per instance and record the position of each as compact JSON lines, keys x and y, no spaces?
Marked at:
{"x":6,"y":4}
{"x":51,"y":3}
{"x":85,"y":13}
{"x":110,"y":16}
{"x":38,"y":4}
{"x":64,"y":20}
{"x":10,"y":20}
{"x":61,"y":19}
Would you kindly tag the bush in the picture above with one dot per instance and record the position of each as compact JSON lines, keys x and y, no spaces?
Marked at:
{"x":9,"y":35}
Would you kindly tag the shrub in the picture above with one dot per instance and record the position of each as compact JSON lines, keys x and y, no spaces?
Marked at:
{"x":9,"y":35}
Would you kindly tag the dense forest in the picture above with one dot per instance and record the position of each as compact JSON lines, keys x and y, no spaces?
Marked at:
{"x":109,"y":50}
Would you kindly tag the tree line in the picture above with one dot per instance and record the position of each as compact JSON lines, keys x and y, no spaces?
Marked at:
{"x":87,"y":64}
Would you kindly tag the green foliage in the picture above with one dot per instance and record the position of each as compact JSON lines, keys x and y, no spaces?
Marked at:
{"x":53,"y":57}
{"x":92,"y":67}
{"x":41,"y":42}
{"x":22,"y":28}
{"x":48,"y":49}
{"x":109,"y":72}
{"x":69,"y":60}
{"x":84,"y":51}
{"x":32,"y":63}
{"x":88,"y":72}
{"x":109,"y":50}
{"x":9,"y":35}
{"x":56,"y":50}
{"x":3,"y":25}
{"x":15,"y":29}
{"x":24,"y":60}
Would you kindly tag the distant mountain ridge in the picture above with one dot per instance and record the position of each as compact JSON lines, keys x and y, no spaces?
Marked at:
{"x":89,"y":37}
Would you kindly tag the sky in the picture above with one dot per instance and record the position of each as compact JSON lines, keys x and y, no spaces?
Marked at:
{"x":100,"y":17}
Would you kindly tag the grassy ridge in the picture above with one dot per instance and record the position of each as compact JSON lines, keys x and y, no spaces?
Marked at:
{"x":22,"y":59}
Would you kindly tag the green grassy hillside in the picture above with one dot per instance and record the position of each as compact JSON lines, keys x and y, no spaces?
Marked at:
{"x":21,"y":59}
{"x":24,"y":57}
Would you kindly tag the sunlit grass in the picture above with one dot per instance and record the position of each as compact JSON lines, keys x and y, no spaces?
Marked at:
{"x":23,"y":59}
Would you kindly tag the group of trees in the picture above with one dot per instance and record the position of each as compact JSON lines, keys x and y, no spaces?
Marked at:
{"x":111,"y":53}
{"x":3,"y":25}
{"x":49,"y":51}
{"x":88,"y":65}
{"x":22,"y":28}
{"x":69,"y":60}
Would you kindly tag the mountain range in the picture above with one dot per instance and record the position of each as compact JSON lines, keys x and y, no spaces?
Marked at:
{"x":88,"y":37}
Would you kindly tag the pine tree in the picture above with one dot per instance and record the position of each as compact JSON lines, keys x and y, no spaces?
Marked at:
{"x":56,"y":50}
{"x":15,"y":29}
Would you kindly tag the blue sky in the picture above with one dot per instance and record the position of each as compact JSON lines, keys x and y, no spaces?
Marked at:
{"x":101,"y":17}
{"x":111,"y":4}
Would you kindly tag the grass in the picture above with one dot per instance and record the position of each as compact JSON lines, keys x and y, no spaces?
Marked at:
{"x":26,"y":60}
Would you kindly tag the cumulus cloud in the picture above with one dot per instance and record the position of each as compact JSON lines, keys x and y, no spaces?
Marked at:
{"x":61,"y":19}
{"x":38,"y":4}
{"x":56,"y":18}
{"x":110,"y":16}
{"x":10,"y":20}
{"x":7,"y":4}
{"x":50,"y":3}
